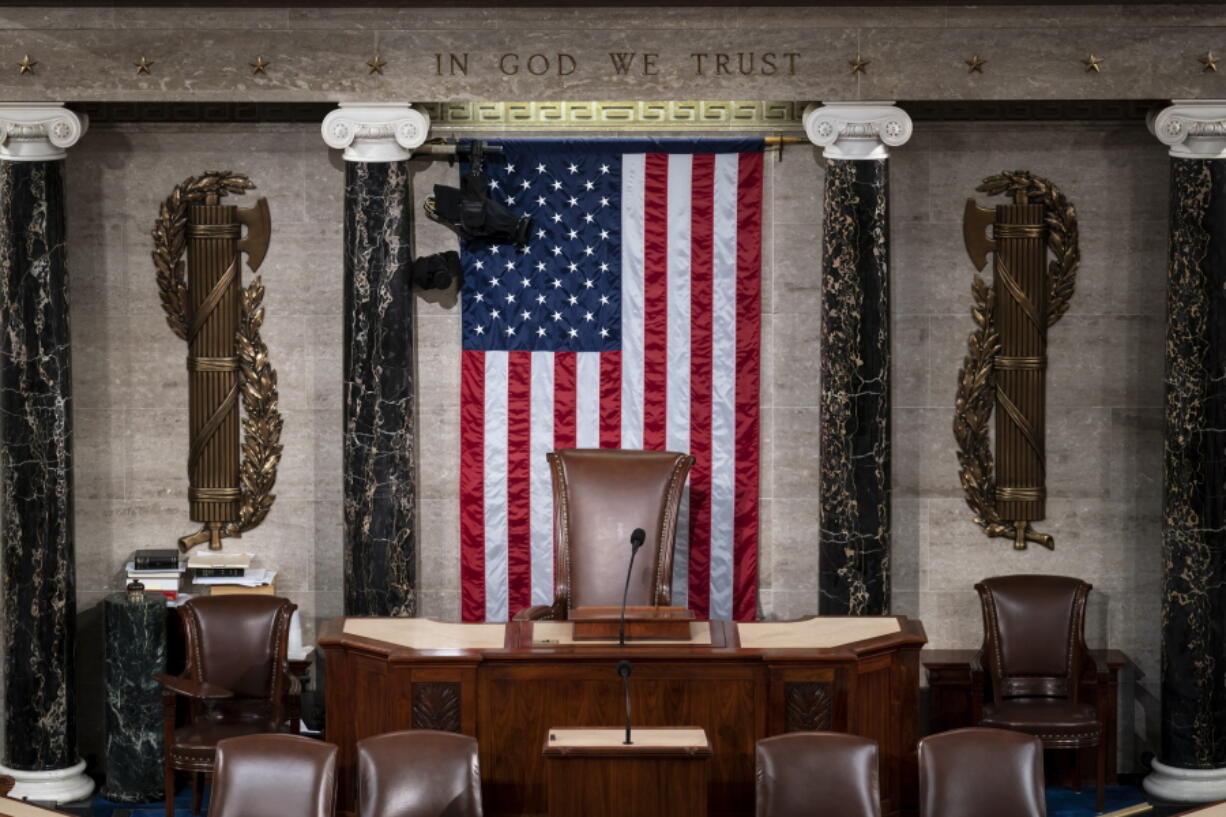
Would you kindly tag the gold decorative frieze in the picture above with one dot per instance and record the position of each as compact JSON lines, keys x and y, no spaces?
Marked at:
{"x":636,"y":115}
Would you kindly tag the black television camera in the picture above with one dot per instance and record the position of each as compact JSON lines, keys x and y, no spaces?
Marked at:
{"x":469,"y":210}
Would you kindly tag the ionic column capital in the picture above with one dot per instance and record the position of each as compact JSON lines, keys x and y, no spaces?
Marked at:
{"x":1193,"y":128}
{"x":38,"y":131}
{"x":375,"y":131}
{"x":857,"y":130}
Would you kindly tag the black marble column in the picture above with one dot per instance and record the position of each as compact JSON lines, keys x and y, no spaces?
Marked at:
{"x":39,"y":607}
{"x":135,"y":652}
{"x":854,"y":559}
{"x":1194,"y":524}
{"x":380,"y":435}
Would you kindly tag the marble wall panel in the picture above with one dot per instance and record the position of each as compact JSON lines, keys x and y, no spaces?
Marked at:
{"x":1104,"y":421}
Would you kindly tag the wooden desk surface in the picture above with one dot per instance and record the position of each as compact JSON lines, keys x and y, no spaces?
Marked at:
{"x":20,"y":808}
{"x":820,"y":636}
{"x":647,"y":740}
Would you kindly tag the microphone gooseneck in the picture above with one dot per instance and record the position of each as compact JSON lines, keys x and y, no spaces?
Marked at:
{"x":637,"y":538}
{"x":623,"y":669}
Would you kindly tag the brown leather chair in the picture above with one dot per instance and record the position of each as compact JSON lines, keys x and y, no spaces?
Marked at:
{"x":236,"y":680}
{"x":274,"y":776}
{"x":978,"y":772}
{"x":600,"y":495}
{"x":419,"y":773}
{"x":795,"y":769}
{"x":1035,"y":653}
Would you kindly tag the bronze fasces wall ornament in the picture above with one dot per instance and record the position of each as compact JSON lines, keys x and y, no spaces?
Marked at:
{"x":1035,"y":256}
{"x":230,"y":480}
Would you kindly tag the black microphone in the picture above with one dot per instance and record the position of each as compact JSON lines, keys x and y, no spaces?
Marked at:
{"x":636,"y":541}
{"x":623,"y":669}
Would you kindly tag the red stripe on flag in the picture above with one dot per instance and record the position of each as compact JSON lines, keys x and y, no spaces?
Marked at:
{"x":655,"y":301}
{"x":748,"y":332}
{"x":611,"y":399}
{"x":702,"y":279}
{"x":472,"y":485}
{"x":519,"y":481}
{"x":564,"y":399}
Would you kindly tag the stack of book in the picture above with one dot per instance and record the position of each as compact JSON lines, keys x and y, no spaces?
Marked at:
{"x":222,"y":573}
{"x":158,"y":570}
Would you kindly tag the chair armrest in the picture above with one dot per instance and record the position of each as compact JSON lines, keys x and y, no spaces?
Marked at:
{"x":188,"y":688}
{"x":537,"y":612}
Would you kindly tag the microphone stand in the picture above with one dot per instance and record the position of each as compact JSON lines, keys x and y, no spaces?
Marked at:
{"x":623,"y":666}
{"x":623,"y":669}
{"x":636,"y":542}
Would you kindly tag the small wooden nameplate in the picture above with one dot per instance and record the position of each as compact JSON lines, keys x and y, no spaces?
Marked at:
{"x":642,"y":623}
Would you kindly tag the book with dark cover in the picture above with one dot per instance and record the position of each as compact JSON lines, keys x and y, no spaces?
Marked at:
{"x":157,"y":559}
{"x":218,"y":572}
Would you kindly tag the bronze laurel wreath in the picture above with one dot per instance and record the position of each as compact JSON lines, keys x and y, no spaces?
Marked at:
{"x":262,"y":422}
{"x":976,"y":385}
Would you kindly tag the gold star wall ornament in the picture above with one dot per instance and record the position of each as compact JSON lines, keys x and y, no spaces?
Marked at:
{"x":143,"y":66}
{"x":975,"y":65}
{"x":26,"y":66}
{"x":1210,"y":62}
{"x":259,"y":66}
{"x":1093,"y":63}
{"x":858,"y":65}
{"x":376,"y":65}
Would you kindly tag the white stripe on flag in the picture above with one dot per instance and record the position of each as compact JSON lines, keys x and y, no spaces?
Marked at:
{"x":723,"y":377}
{"x":542,"y":492}
{"x":677,"y":434}
{"x":587,"y":399}
{"x":634,"y":175}
{"x":496,"y":486}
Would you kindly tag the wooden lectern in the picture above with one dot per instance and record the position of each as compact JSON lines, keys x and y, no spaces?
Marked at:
{"x":593,"y":773}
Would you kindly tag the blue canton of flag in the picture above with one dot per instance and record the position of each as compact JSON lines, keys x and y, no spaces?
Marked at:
{"x":562,"y":290}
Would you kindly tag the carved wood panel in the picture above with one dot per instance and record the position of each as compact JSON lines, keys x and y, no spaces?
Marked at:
{"x":436,"y":705}
{"x":807,"y":706}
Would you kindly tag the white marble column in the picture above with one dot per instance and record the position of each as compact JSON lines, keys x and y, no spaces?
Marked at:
{"x":38,"y":620}
{"x":854,"y":472}
{"x":380,"y":435}
{"x":1191,"y":763}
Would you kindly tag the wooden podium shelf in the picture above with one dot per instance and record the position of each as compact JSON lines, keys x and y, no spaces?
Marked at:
{"x":739,"y":684}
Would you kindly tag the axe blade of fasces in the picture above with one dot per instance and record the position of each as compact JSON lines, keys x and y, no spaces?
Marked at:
{"x":259,"y":227}
{"x":975,"y":223}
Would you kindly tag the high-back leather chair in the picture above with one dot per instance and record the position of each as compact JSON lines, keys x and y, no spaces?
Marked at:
{"x":1035,"y":653}
{"x":980,"y":772}
{"x":274,"y":776}
{"x":236,"y":681}
{"x":600,"y":496}
{"x":792,"y":768}
{"x":419,"y":773}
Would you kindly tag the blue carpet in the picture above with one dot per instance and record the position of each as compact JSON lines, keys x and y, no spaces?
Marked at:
{"x":183,"y":806}
{"x":1063,"y":802}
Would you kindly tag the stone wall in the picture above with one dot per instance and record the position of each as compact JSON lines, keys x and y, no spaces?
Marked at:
{"x":1104,"y":387}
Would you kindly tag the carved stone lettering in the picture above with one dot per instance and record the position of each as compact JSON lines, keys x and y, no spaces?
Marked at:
{"x":807,"y":706}
{"x":744,"y":63}
{"x":436,"y":705}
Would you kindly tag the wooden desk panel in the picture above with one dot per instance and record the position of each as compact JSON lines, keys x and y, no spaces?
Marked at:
{"x":509,"y":697}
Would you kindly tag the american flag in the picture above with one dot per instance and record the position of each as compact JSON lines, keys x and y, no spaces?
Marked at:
{"x":631,"y":319}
